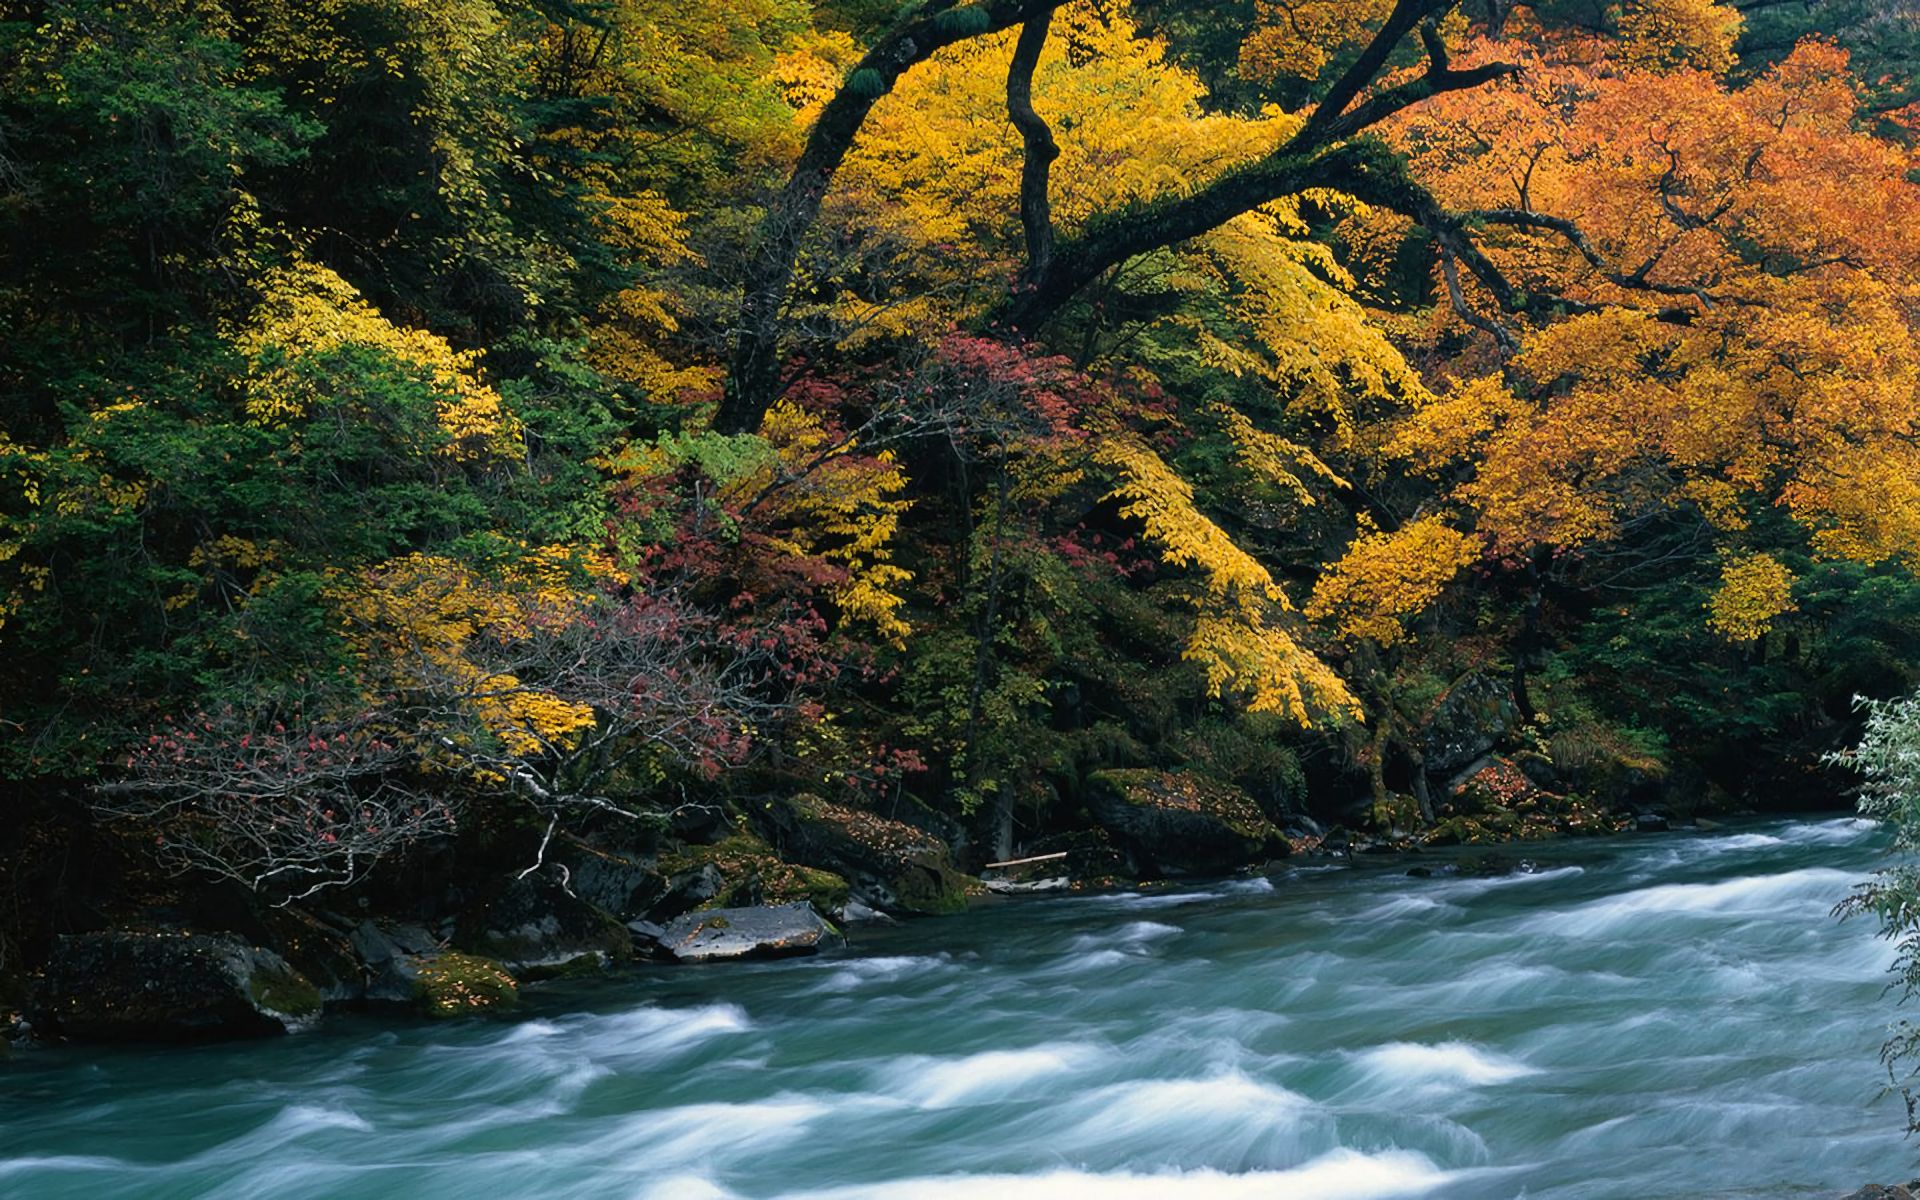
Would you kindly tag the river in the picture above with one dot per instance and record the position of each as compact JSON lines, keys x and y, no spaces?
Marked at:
{"x":1657,"y":1016}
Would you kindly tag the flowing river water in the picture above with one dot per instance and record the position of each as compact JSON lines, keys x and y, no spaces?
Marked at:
{"x":1660,"y":1016}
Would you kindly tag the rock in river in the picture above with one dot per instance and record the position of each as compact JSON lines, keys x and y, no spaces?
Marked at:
{"x":778,"y":931}
{"x":889,"y":865}
{"x":537,"y":928}
{"x":1177,"y":823}
{"x":164,"y":986}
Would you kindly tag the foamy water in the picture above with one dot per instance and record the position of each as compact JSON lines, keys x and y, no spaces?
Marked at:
{"x":1663,"y":1016}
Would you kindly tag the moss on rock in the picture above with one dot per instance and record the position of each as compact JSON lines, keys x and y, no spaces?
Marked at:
{"x":896,"y":866}
{"x":754,"y":874}
{"x":461,"y":985}
{"x":1500,"y":804}
{"x":1181,"y":822}
{"x":284,"y":991}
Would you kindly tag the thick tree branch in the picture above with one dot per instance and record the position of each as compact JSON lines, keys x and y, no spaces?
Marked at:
{"x":1319,"y":155}
{"x":1634,"y":280}
{"x":1036,"y":205}
{"x":754,"y":374}
{"x":1439,"y":77}
{"x":1114,"y":238}
{"x":1405,"y":17}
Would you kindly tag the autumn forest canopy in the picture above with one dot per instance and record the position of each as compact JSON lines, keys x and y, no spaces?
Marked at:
{"x":434,"y":423}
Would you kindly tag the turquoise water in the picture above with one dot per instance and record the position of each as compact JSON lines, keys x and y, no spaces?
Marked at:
{"x":1662,"y":1016}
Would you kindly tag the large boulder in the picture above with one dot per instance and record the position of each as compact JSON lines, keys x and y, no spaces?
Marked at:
{"x":537,"y":928}
{"x":888,"y":865}
{"x":777,"y":931}
{"x":1468,"y":721}
{"x":390,"y":957}
{"x":742,"y":871}
{"x":617,"y":881}
{"x":407,"y":967}
{"x":1176,"y":823}
{"x":318,"y":950}
{"x":164,"y":986}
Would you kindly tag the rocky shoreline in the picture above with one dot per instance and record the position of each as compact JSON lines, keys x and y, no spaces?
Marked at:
{"x":784,"y":879}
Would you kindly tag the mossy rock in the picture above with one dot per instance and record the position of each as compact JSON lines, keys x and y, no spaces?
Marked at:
{"x":284,"y":990}
{"x":1181,"y":822}
{"x":463,"y":985}
{"x":1500,"y":804}
{"x":167,"y":985}
{"x":753,"y":874}
{"x":539,"y":929}
{"x":888,"y":864}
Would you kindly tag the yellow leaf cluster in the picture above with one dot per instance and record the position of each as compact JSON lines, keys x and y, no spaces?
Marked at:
{"x":1755,"y":590}
{"x":1664,"y":34}
{"x":1274,"y":459}
{"x":1266,"y":670}
{"x":1162,"y":502}
{"x":812,"y":71}
{"x":1385,"y":578}
{"x":309,"y":310}
{"x":1294,"y":39}
{"x":937,"y":168}
{"x":826,"y":499}
{"x":1296,"y":323}
{"x":1246,"y":658}
{"x":1453,"y":426}
{"x":420,"y":614}
{"x":629,"y":341}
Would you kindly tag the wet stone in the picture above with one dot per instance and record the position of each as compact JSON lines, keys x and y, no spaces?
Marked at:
{"x":777,"y":931}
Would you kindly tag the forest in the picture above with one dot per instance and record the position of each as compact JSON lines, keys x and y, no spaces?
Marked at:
{"x":826,"y":448}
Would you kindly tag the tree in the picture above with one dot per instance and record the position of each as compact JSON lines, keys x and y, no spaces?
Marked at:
{"x":1318,"y":156}
{"x":556,"y":695}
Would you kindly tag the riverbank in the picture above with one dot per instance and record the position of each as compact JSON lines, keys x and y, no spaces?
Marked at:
{"x":250,"y":970}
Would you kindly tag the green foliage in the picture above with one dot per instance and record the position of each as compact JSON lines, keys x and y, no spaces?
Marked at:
{"x":969,"y":20}
{"x":1750,"y":718}
{"x":1887,"y":760}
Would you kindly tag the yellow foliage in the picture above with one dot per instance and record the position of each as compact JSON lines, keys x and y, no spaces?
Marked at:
{"x":1755,"y":590}
{"x":1385,"y":578}
{"x":1865,"y":508}
{"x":1298,"y":326}
{"x":810,"y":72}
{"x":1275,"y":459}
{"x":1266,"y":670}
{"x":1662,"y":34}
{"x":1246,"y":658}
{"x":1162,"y":502}
{"x":309,"y":310}
{"x":1765,"y":215}
{"x":937,"y":167}
{"x":630,"y":338}
{"x":819,"y":496}
{"x":1295,"y":38}
{"x":1448,"y":428}
{"x":420,"y":613}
